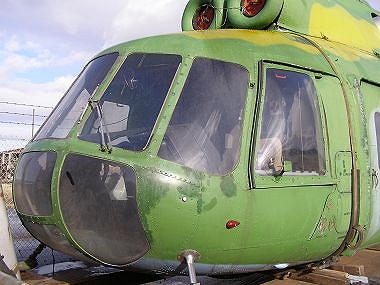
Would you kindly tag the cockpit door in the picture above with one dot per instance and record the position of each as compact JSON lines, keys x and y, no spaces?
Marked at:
{"x":293,"y":162}
{"x":340,"y":156}
{"x":370,"y":95}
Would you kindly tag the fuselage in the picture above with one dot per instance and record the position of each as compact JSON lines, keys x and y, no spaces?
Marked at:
{"x":244,"y":146}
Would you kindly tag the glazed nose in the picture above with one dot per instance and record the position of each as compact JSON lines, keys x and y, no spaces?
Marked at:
{"x":94,"y":199}
{"x":32,"y":184}
{"x":99,"y":207}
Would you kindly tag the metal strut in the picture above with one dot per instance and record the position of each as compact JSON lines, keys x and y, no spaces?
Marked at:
{"x":190,"y":256}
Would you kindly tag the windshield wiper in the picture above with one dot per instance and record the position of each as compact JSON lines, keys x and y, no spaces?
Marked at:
{"x":104,"y":133}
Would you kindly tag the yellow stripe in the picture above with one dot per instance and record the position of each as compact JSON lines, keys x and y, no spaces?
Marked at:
{"x":338,"y":25}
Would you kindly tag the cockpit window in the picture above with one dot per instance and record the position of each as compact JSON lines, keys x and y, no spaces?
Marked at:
{"x":204,"y":132}
{"x":125,"y":115}
{"x":291,"y":131}
{"x":68,"y":111}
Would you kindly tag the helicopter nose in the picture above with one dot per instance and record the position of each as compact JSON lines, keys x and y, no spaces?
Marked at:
{"x":97,"y":204}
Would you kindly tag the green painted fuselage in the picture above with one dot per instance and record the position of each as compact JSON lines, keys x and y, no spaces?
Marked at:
{"x":301,"y":215}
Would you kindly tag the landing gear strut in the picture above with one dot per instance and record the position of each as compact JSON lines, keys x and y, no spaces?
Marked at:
{"x":190,"y":256}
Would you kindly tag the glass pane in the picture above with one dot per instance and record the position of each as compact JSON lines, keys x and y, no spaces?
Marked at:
{"x":32,"y":185}
{"x":54,"y":238}
{"x":204,"y":132}
{"x":131,"y":104}
{"x":99,"y":208}
{"x":68,"y":111}
{"x":291,"y":132}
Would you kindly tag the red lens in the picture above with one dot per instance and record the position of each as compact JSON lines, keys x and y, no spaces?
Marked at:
{"x":232,"y":224}
{"x":251,"y":8}
{"x":203,"y":17}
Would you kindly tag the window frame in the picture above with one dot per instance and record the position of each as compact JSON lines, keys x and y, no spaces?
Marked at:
{"x":258,"y":181}
{"x":244,"y":111}
{"x":65,"y":98}
{"x":100,"y":95}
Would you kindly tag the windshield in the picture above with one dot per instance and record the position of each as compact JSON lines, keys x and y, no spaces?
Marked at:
{"x":69,"y":110}
{"x":125,"y":115}
{"x":204,"y":132}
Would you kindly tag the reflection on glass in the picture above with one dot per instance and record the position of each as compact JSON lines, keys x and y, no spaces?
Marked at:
{"x":99,"y":208}
{"x":54,"y":238}
{"x":291,"y":131}
{"x":128,"y":110}
{"x":69,"y":110}
{"x":32,"y":185}
{"x":204,"y":132}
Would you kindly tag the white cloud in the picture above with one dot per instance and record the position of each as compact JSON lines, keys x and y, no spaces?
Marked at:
{"x":59,"y":37}
{"x":18,"y":55}
{"x":12,"y":45}
{"x":138,"y":20}
{"x":375,"y":4}
{"x":26,"y":92}
{"x":22,"y":91}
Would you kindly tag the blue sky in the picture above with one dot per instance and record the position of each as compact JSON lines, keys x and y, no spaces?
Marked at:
{"x":45,"y":43}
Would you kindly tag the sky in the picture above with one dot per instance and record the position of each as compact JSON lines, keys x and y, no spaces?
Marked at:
{"x":44,"y":44}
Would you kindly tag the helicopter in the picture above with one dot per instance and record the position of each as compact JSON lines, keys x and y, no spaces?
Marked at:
{"x":250,"y":141}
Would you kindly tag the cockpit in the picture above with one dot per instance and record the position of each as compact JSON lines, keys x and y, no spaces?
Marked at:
{"x":114,"y":106}
{"x":131,"y":129}
{"x":205,"y":128}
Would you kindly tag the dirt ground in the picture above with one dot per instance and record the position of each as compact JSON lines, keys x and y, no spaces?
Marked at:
{"x":7,"y":190}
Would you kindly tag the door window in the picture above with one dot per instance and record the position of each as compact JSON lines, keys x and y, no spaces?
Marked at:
{"x":290,"y":137}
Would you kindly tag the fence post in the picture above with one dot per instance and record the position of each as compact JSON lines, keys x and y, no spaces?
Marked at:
{"x":33,"y":123}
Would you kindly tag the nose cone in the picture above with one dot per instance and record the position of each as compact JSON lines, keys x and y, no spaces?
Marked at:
{"x":96,"y":204}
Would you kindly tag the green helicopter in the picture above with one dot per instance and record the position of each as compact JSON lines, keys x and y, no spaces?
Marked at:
{"x":248,"y":142}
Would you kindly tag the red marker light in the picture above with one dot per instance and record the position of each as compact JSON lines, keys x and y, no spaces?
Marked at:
{"x":232,"y":224}
{"x":251,"y":8}
{"x":203,"y":17}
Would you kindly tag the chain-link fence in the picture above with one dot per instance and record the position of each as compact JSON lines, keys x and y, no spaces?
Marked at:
{"x":8,"y":161}
{"x":18,"y":123}
{"x":24,"y":243}
{"x":17,"y":127}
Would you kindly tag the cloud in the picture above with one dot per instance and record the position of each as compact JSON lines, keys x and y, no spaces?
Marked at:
{"x":27,"y":92}
{"x":375,"y":4}
{"x":23,"y":58}
{"x":41,"y":54}
{"x":20,"y":56}
{"x":140,"y":19}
